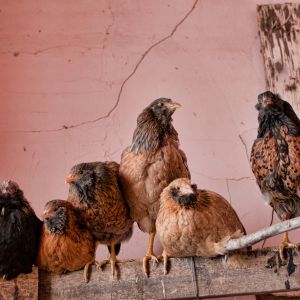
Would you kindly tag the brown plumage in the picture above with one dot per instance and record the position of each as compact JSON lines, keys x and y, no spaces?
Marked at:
{"x":194,"y":222}
{"x":275,"y":157}
{"x":65,"y":244}
{"x":96,"y":191}
{"x":151,"y":162}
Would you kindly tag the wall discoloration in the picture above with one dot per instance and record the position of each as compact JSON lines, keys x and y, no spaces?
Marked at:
{"x":280,"y":37}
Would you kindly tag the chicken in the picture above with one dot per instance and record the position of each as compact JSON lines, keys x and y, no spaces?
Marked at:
{"x":19,"y":232}
{"x":194,"y":222}
{"x":65,"y":244}
{"x":95,"y":190}
{"x":151,"y":162}
{"x":275,"y":158}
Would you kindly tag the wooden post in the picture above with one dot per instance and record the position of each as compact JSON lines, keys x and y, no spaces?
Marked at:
{"x":24,"y":287}
{"x":279,"y":30}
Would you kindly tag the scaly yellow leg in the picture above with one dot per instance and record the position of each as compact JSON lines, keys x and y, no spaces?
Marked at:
{"x":165,"y":258}
{"x":150,"y":254}
{"x":112,"y":259}
{"x":86,"y":271}
{"x":285,"y":244}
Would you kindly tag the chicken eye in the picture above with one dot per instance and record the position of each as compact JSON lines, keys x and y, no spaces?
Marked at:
{"x":161,"y":104}
{"x":178,"y":188}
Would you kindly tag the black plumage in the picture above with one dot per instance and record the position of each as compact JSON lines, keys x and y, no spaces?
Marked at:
{"x":19,"y":232}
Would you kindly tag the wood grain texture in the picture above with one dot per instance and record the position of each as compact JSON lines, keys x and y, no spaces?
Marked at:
{"x":242,"y":274}
{"x":24,"y":287}
{"x":279,"y":30}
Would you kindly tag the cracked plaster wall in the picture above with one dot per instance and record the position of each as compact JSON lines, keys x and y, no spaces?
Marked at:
{"x":74,"y":77}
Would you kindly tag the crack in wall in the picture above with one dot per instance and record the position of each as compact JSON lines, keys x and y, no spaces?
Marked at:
{"x":245,"y":146}
{"x":228,"y":190}
{"x":132,"y":73}
{"x":223,"y":178}
{"x":19,"y":52}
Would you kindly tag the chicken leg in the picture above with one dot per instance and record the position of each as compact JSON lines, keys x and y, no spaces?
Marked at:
{"x":112,"y":259}
{"x":86,"y":271}
{"x":286,"y":243}
{"x":165,"y":259}
{"x":150,"y":254}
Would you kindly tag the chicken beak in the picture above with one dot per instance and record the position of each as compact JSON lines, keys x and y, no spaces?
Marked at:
{"x":186,"y":189}
{"x":2,"y":211}
{"x":267,"y":101}
{"x":44,"y":214}
{"x":173,"y":105}
{"x":70,"y":179}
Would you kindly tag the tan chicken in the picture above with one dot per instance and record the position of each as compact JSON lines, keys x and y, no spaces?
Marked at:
{"x":194,"y":222}
{"x":151,"y":162}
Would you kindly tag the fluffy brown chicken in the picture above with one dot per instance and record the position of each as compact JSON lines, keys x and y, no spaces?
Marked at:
{"x":65,"y":244}
{"x":151,"y":162}
{"x":275,"y":158}
{"x":96,"y":191}
{"x":193,"y":222}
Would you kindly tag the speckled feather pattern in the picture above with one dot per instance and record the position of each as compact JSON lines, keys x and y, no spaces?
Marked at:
{"x":202,"y":229}
{"x":275,"y":159}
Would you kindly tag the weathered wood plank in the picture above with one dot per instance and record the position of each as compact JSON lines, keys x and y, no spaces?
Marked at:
{"x":279,"y":30}
{"x":242,"y":274}
{"x":287,"y":296}
{"x":24,"y":287}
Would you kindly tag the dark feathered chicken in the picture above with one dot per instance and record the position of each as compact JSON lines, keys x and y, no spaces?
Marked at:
{"x":95,"y":190}
{"x":151,"y":162}
{"x":275,"y":157}
{"x":19,"y":232}
{"x":65,"y":244}
{"x":194,"y":222}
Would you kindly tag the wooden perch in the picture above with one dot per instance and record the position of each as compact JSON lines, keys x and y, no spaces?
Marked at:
{"x":244,"y":273}
{"x":253,"y":238}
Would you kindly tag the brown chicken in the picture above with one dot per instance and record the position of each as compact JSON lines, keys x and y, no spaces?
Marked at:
{"x":65,"y":244}
{"x":96,"y":191}
{"x":193,"y":222}
{"x":151,"y":162}
{"x":275,"y":158}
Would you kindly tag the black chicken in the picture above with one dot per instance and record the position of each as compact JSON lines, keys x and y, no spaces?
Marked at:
{"x":19,"y":232}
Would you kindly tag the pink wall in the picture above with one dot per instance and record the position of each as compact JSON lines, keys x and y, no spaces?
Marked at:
{"x":64,"y":63}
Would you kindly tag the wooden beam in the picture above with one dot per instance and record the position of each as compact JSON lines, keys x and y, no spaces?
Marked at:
{"x":279,"y":30}
{"x":24,"y":287}
{"x":242,"y":274}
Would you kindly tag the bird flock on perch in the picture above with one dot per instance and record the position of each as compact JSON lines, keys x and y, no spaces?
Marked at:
{"x":152,"y":187}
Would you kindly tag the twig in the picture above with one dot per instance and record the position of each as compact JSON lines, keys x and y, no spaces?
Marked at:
{"x":271,"y":223}
{"x":262,"y":234}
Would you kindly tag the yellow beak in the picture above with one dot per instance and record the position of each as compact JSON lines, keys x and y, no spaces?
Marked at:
{"x":70,"y":179}
{"x":173,"y":105}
